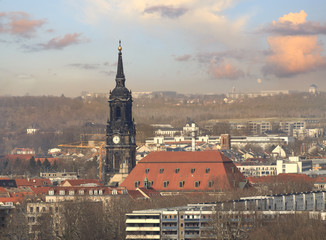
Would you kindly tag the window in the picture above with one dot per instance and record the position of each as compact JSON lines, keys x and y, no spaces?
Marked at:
{"x":31,"y":209}
{"x":137,"y":183}
{"x":90,"y":192}
{"x":51,"y":192}
{"x":165,"y":184}
{"x":62,"y":192}
{"x":193,"y":170}
{"x":71,"y":192}
{"x":207,"y":170}
{"x":146,"y":170}
{"x":100,"y":192}
{"x":197,"y":183}
{"x":95,"y":192}
{"x":210,"y":184}
{"x":81,"y":192}
{"x":114,"y":192}
{"x":177,"y":170}
{"x":181,"y":183}
{"x":161,"y":170}
{"x":118,"y":113}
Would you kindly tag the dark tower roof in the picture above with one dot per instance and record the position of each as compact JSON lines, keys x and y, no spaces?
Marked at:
{"x":120,"y":91}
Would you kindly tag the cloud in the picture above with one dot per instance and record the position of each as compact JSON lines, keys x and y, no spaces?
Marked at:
{"x":225,"y":71}
{"x":19,"y":23}
{"x":167,"y":11}
{"x":291,"y":55}
{"x":294,"y":24}
{"x":62,"y":42}
{"x":183,"y":58}
{"x":293,"y":51}
{"x":85,"y":66}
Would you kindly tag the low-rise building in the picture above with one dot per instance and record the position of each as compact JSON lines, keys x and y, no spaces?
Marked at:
{"x":257,"y":170}
{"x":294,"y":165}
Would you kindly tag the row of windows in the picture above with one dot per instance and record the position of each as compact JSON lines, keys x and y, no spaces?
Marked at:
{"x":82,"y":192}
{"x":177,"y":170}
{"x":42,"y":209}
{"x":166,"y":184}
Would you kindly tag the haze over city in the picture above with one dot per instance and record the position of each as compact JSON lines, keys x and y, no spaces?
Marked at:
{"x":188,"y":46}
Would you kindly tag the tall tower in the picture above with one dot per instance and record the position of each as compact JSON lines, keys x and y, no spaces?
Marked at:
{"x":120,"y":132}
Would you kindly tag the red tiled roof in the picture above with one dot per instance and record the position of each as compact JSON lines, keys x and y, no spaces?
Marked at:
{"x":9,"y":199}
{"x":35,"y":182}
{"x":41,"y":190}
{"x":2,"y":189}
{"x":319,"y":179}
{"x":22,"y":182}
{"x":135,"y":194}
{"x":50,"y":159}
{"x":160,"y":167}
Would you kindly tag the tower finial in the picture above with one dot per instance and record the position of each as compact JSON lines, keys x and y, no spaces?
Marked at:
{"x":119,"y":48}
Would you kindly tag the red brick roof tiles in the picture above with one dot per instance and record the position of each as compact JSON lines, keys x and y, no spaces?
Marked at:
{"x":196,"y":171}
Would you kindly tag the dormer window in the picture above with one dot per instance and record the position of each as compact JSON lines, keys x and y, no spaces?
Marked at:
{"x":161,"y":170}
{"x":146,"y":170}
{"x":114,"y":192}
{"x":137,"y":183}
{"x":207,"y":170}
{"x":62,"y":192}
{"x":81,"y":192}
{"x":177,"y":170}
{"x":192,"y":170}
{"x":51,"y":192}
{"x":71,"y":192}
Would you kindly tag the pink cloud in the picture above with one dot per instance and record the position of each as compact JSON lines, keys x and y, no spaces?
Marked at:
{"x":62,"y":42}
{"x":225,"y":71}
{"x":290,"y":54}
{"x":19,"y":23}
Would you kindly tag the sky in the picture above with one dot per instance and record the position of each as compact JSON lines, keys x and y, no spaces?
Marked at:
{"x":188,"y":46}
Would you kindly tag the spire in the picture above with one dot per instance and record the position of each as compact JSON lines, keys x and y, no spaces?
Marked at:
{"x":120,"y":77}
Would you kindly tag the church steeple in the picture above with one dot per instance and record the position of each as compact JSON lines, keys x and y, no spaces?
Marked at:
{"x":120,"y":77}
{"x":120,"y":131}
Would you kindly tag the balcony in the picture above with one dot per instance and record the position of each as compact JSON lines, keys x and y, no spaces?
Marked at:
{"x":148,"y":229}
{"x":143,"y":237}
{"x":142,"y":220}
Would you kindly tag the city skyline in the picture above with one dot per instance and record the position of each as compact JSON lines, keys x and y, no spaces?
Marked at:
{"x":187,"y":46}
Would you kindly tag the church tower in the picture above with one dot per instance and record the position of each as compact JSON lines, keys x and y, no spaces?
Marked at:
{"x":120,"y":132}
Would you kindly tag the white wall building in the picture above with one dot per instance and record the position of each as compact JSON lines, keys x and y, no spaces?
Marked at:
{"x":293,"y":165}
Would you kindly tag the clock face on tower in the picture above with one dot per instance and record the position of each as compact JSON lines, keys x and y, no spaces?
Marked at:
{"x":116,"y":139}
